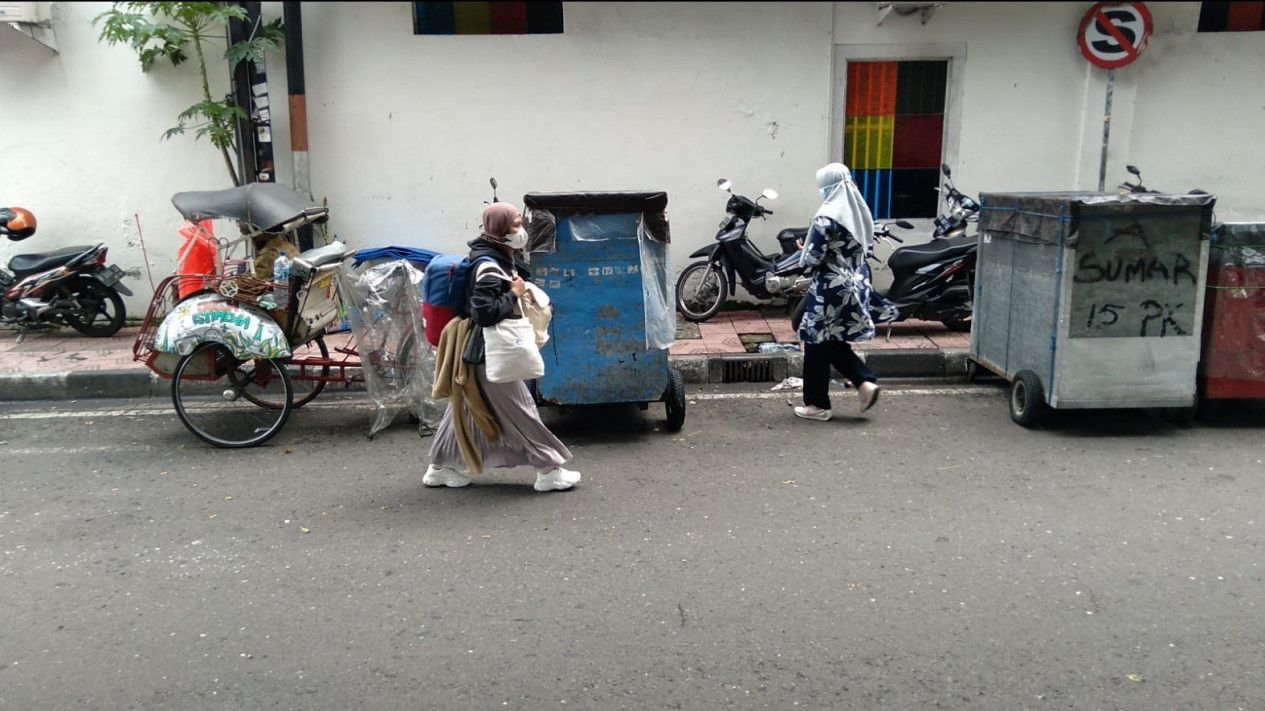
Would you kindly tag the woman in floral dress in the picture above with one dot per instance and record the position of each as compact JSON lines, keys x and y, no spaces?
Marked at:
{"x":836,"y":312}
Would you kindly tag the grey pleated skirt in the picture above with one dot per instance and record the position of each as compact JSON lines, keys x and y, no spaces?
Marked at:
{"x":525,"y":440}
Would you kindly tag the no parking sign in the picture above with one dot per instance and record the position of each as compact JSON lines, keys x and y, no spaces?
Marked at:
{"x":1112,"y":34}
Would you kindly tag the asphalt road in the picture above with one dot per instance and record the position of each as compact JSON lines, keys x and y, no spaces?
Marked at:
{"x":933,"y":555}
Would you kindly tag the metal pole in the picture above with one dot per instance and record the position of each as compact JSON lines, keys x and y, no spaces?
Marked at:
{"x":238,"y":30}
{"x":1106,"y":132}
{"x":296,"y":86}
{"x":250,"y":92}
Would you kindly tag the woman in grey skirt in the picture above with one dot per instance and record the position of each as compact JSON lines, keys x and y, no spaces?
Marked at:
{"x":524,"y":439}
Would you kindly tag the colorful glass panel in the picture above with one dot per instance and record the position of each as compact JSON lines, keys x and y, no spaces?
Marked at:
{"x":893,"y":137}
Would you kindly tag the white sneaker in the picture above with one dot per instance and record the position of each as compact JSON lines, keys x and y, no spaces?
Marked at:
{"x":438,"y":476}
{"x":556,"y":479}
{"x":810,"y":412}
{"x":868,"y":394}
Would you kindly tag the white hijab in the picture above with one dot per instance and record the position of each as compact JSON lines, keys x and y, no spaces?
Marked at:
{"x":842,"y":202}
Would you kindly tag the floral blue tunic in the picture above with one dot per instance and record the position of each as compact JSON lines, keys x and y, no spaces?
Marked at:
{"x":840,"y":290}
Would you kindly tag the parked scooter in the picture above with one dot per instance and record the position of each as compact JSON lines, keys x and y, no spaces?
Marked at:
{"x":734,"y":259}
{"x":930,"y":282}
{"x":1127,"y":188}
{"x":933,"y":281}
{"x":960,"y":212}
{"x":71,"y":286}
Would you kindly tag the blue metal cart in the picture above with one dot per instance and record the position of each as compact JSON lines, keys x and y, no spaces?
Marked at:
{"x":603,"y":259}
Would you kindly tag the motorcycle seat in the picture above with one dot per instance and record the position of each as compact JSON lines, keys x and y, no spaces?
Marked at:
{"x":788,"y":238}
{"x":24,"y":264}
{"x":920,"y":255}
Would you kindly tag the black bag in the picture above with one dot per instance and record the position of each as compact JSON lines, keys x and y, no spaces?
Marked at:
{"x":473,"y":353}
{"x":797,"y":313}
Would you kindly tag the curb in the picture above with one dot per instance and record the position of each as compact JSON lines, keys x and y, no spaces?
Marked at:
{"x":695,"y":369}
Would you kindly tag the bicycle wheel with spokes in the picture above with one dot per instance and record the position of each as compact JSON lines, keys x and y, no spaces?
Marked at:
{"x":308,"y":380}
{"x":209,"y":389}
{"x":700,"y":291}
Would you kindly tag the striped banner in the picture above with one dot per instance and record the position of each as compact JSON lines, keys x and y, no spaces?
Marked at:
{"x":1231,"y":16}
{"x":487,"y":18}
{"x":893,"y":134}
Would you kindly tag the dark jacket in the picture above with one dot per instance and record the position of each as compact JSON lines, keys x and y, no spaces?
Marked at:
{"x":490,"y":300}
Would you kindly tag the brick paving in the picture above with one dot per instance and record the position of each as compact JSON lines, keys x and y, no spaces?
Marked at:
{"x":729,"y":332}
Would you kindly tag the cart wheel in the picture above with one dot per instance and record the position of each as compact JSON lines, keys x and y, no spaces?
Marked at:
{"x":307,"y":384}
{"x":1027,"y":399}
{"x":674,"y":399}
{"x":209,"y":390}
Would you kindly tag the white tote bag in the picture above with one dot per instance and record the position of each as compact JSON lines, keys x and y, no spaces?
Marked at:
{"x":509,"y":347}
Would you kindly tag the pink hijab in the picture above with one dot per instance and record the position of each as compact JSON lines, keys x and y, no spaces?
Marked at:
{"x":497,"y":219}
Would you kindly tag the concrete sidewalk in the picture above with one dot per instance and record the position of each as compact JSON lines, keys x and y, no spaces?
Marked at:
{"x":63,"y":365}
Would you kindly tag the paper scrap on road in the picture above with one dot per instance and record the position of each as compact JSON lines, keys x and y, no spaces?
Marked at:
{"x":789,"y":384}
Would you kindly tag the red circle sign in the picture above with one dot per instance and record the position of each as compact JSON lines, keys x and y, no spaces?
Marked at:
{"x":1112,"y":34}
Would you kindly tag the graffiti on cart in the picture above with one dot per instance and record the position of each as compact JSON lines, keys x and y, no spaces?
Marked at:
{"x":246,"y":331}
{"x":1134,"y":283}
{"x":1155,"y":319}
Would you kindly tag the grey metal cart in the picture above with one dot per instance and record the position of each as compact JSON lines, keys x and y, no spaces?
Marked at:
{"x":1091,"y":300}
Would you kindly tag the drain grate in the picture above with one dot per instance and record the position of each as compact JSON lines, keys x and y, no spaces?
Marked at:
{"x":747,"y":370}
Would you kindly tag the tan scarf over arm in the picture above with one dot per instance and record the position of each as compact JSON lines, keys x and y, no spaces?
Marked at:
{"x":455,"y":380}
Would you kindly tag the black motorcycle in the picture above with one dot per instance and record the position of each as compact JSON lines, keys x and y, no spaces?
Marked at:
{"x":1127,"y":188}
{"x":960,"y":212}
{"x":71,"y":286}
{"x":734,"y":259}
{"x":933,"y":281}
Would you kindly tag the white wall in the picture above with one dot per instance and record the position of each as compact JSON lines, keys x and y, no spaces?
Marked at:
{"x":405,"y":130}
{"x":80,"y":145}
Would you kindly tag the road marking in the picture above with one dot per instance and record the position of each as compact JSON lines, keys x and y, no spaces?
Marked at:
{"x":976,"y":390}
{"x":42,"y":451}
{"x":166,"y":411}
{"x":160,"y":410}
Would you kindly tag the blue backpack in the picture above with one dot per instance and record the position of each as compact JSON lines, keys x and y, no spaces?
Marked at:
{"x":444,"y":291}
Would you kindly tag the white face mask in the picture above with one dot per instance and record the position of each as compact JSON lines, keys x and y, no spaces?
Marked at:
{"x":518,"y":239}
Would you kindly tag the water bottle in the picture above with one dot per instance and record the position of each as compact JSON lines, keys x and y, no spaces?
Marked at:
{"x":281,"y":278}
{"x":778,"y":347}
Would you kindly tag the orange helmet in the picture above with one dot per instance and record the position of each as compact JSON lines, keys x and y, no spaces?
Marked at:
{"x":18,"y":222}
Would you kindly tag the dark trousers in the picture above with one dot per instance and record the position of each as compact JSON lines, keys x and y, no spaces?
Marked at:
{"x":818,"y":357}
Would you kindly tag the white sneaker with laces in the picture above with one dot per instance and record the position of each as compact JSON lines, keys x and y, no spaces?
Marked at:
{"x":439,"y":476}
{"x":556,"y":479}
{"x":810,"y":412}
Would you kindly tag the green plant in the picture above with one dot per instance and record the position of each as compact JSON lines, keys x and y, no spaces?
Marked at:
{"x":158,"y":30}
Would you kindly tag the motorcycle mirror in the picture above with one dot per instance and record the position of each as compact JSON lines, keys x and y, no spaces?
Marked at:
{"x":905,"y":223}
{"x":724,"y":184}
{"x":1133,"y":169}
{"x":493,"y":182}
{"x":769,"y":193}
{"x":945,"y":167}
